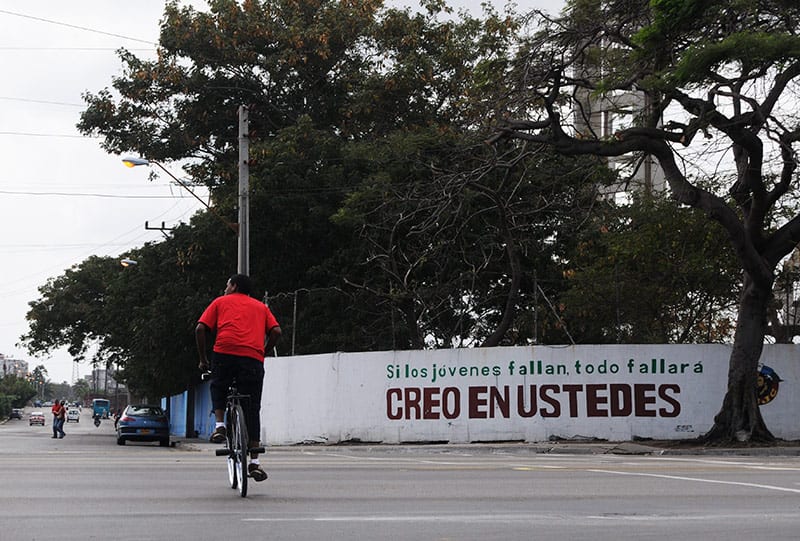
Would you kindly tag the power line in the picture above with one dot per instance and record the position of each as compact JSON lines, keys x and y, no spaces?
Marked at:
{"x":8,"y":183}
{"x":27,"y":100}
{"x":78,"y":194}
{"x":59,"y":246}
{"x":68,"y":262}
{"x":84,"y":28}
{"x":98,"y":49}
{"x":17,"y":133}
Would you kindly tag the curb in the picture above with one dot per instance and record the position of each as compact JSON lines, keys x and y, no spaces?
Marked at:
{"x":666,"y":448}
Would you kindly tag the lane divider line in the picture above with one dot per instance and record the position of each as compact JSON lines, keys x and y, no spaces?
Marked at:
{"x":700,"y":480}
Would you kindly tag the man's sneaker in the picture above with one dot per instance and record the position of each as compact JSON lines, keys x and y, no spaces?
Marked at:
{"x":218,"y":436}
{"x":255,"y":471}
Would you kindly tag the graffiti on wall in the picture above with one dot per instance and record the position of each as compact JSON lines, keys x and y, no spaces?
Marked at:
{"x":768,"y":383}
{"x":436,"y":391}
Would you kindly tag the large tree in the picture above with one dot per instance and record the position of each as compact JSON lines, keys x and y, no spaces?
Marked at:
{"x":649,"y":248}
{"x":327,"y":83}
{"x":15,"y":393}
{"x":320,"y":78}
{"x":716,"y":83}
{"x":460,"y":239}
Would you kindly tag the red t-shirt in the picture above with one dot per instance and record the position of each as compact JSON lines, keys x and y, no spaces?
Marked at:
{"x":241,"y":323}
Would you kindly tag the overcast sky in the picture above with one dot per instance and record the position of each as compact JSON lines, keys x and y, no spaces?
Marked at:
{"x":62,"y":198}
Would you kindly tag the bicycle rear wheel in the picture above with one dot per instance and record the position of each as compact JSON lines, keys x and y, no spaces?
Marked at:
{"x":239,"y":449}
{"x":229,"y":443}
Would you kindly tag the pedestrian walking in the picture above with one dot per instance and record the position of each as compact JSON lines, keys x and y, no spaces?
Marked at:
{"x":59,"y":411}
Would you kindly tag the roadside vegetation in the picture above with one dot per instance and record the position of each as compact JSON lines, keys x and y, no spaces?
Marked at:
{"x":381,"y":219}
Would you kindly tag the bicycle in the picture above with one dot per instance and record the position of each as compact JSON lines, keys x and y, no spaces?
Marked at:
{"x":236,"y":440}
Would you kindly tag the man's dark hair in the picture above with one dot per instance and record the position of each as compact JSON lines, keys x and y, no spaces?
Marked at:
{"x":242,"y":282}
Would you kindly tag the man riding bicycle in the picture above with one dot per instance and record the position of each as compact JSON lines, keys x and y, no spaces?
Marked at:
{"x":246,"y":331}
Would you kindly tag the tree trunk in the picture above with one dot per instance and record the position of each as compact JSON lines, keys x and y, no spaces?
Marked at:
{"x":514,"y":268}
{"x":512,"y":298}
{"x":740,"y":419}
{"x":411,"y":319}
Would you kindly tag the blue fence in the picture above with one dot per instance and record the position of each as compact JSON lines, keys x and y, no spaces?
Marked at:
{"x":203,"y":415}
{"x":178,"y":403}
{"x":190,"y":413}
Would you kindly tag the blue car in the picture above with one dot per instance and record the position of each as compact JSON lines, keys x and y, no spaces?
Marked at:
{"x":143,"y":422}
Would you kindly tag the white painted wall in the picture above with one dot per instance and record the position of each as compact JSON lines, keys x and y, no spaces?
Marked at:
{"x":614,"y":394}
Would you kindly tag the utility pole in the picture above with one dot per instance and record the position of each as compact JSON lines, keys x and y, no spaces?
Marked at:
{"x":244,"y":192}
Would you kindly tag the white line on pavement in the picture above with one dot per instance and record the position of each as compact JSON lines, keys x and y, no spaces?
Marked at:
{"x":700,"y":480}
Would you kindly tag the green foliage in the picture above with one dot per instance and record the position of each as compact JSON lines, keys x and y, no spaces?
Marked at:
{"x":319,"y":78}
{"x":751,"y":50}
{"x":671,"y":19}
{"x":81,"y":390}
{"x":61,"y":391}
{"x":69,"y":308}
{"x":460,"y":255}
{"x":688,"y":41}
{"x":15,"y":392}
{"x":378,"y":217}
{"x":651,"y":272}
{"x":714,"y":91}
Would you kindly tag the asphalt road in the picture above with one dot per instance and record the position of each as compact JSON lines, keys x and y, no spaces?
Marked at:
{"x":86,"y":487}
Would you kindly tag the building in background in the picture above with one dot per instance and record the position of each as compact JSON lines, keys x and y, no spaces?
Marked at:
{"x":102,"y":381}
{"x":102,"y":384}
{"x":13,"y":367}
{"x":601,"y":116}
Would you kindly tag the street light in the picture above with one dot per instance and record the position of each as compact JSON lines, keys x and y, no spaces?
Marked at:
{"x":135,"y":162}
{"x":128,"y":262}
{"x":242,"y":229}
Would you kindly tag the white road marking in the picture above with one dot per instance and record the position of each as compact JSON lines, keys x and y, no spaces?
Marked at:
{"x":700,"y":480}
{"x":502,"y":518}
{"x":526,"y":518}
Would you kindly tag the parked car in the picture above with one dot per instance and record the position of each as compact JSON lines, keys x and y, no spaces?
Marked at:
{"x":16,"y":413}
{"x":143,"y":422}
{"x":74,"y":414}
{"x":36,"y":418}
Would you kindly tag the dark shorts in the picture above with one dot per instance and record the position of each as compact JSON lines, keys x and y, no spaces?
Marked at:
{"x":249,"y":377}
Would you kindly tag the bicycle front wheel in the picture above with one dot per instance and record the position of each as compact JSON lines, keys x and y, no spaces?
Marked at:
{"x":239,"y":449}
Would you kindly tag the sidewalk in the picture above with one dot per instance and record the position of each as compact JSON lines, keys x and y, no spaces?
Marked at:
{"x":655,"y":448}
